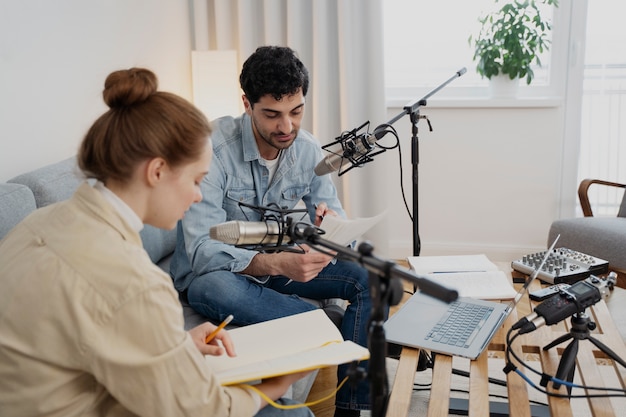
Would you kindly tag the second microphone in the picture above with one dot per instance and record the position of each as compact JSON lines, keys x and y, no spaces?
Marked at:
{"x":243,"y":233}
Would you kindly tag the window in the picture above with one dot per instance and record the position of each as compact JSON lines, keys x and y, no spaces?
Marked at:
{"x":603,"y":141}
{"x":426,"y":43}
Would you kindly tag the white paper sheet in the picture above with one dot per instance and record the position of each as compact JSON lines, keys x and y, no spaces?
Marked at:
{"x":345,"y":231}
{"x":473,"y":276}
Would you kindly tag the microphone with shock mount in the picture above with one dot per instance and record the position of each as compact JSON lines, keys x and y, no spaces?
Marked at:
{"x":237,"y":232}
{"x":356,"y":149}
{"x":272,"y":233}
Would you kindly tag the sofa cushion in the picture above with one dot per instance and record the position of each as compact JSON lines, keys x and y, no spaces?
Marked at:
{"x":57,"y":182}
{"x":602,"y":237}
{"x":16,"y":202}
{"x":52,"y":183}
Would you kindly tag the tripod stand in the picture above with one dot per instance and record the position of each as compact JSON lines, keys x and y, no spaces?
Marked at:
{"x":581,"y":325}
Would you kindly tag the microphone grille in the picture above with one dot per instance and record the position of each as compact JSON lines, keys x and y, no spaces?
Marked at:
{"x":330,"y":163}
{"x":228,"y":232}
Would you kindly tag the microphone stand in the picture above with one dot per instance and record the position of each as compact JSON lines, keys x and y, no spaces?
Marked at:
{"x":385,"y":290}
{"x":413,"y":111}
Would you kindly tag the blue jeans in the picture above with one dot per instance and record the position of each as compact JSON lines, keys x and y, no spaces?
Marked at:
{"x":218,"y":294}
{"x":269,"y":411}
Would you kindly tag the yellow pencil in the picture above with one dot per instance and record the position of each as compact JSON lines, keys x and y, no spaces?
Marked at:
{"x":214,"y":333}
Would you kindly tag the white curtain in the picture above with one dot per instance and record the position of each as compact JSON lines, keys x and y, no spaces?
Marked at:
{"x":340,"y":42}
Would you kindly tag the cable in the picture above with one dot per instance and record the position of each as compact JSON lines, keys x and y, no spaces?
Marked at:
{"x":545,"y":378}
{"x":463,"y":373}
{"x":406,"y":205}
{"x":417,"y":387}
{"x":461,"y":391}
{"x":293,"y":406}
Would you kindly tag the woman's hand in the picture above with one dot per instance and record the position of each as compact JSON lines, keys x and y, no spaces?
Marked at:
{"x":216,"y":347}
{"x":276,"y":387}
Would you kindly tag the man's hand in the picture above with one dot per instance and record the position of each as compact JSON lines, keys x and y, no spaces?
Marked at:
{"x":296,"y":266}
{"x":199,"y":333}
{"x":322,"y":210}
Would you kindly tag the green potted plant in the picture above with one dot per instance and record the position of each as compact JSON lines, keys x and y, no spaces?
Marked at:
{"x":511,"y":39}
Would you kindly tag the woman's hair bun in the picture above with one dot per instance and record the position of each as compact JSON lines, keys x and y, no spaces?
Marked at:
{"x":125,"y":88}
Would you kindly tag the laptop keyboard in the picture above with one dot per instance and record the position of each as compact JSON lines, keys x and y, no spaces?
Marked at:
{"x":460,"y":325}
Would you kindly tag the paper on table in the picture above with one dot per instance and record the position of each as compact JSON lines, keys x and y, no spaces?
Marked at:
{"x":345,"y":231}
{"x":472,"y":276}
{"x":454,"y":263}
{"x":485,"y":285}
{"x":286,"y":345}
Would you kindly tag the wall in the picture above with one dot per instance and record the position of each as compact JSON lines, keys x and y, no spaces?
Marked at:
{"x":55,"y":56}
{"x":488,"y":176}
{"x":488,"y":180}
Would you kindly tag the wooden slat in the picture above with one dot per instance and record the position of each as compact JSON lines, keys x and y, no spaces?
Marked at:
{"x":439,"y":402}
{"x":402,"y":389}
{"x":590,"y":376}
{"x":517,"y":388}
{"x":558,"y":406}
{"x":479,"y":387}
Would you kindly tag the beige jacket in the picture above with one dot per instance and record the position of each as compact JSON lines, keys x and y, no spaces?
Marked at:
{"x":89,"y":326}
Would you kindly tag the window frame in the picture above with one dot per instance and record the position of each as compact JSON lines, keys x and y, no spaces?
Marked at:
{"x":550,"y":94}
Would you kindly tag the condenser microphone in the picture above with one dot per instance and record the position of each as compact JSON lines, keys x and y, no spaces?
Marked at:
{"x":353,"y":148}
{"x":236,"y":232}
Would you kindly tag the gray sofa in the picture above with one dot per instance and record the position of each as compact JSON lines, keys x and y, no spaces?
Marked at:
{"x":601,"y":236}
{"x":56,"y":182}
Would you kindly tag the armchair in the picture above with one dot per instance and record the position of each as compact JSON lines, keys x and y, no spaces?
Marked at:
{"x":603,"y":237}
{"x":583,"y":196}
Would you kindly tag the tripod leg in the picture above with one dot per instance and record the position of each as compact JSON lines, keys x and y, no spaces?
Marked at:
{"x":558,"y":341}
{"x":604,"y":348}
{"x":567,"y":365}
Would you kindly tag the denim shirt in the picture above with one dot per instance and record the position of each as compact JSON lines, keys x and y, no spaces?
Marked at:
{"x":238,"y":174}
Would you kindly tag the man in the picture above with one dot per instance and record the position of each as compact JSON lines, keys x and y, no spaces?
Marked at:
{"x":263,"y":158}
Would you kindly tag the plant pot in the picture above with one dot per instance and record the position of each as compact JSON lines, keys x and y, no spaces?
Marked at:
{"x":502,"y":86}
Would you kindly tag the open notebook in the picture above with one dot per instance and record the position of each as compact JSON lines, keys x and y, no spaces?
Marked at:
{"x":462,"y":328}
{"x":304,"y":341}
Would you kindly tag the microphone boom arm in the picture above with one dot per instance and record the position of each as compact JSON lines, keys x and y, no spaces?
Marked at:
{"x":349,"y":138}
{"x":305,"y":233}
{"x":414,"y":108}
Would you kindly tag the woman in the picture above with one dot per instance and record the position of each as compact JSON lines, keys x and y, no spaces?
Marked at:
{"x":90,"y":326}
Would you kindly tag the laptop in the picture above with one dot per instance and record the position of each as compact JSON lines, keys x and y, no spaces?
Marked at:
{"x":425,"y":322}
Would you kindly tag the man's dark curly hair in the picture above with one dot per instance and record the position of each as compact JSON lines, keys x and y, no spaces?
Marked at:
{"x":274,"y":70}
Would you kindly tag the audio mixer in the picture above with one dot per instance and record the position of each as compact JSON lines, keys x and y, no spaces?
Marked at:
{"x":562,"y":266}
